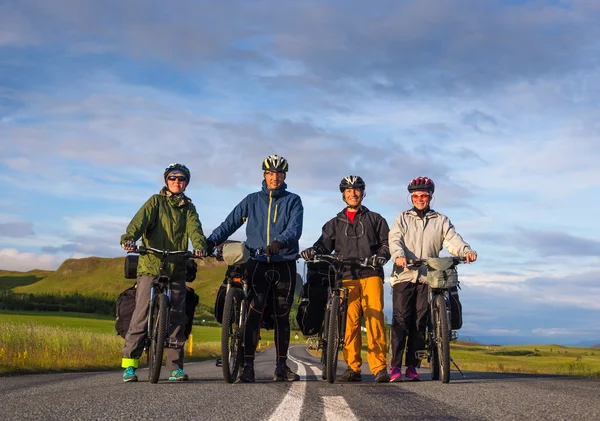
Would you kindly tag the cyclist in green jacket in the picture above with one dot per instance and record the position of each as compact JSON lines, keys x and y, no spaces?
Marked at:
{"x":167,"y":221}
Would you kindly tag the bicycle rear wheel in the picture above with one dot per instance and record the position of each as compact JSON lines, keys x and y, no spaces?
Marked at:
{"x":232,"y":334}
{"x":158,"y":325}
{"x":333,"y":339}
{"x":443,"y":337}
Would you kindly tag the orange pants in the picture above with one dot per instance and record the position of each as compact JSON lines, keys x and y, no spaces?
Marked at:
{"x":365,"y":297}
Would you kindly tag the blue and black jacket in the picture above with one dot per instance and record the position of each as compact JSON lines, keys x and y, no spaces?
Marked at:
{"x":269,"y":215}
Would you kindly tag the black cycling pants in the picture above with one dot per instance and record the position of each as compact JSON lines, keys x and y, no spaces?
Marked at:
{"x":410,"y":309}
{"x":269,"y":284}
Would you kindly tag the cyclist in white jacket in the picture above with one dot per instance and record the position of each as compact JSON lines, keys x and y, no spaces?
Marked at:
{"x":417,"y":233}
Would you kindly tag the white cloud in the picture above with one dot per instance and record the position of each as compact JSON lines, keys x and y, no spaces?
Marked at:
{"x":13,"y":259}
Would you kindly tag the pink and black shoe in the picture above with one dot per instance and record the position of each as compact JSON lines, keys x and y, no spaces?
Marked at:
{"x":411,"y":373}
{"x":395,"y":375}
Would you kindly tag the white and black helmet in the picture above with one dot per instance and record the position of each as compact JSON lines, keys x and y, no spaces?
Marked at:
{"x":275,"y":163}
{"x":352,"y":182}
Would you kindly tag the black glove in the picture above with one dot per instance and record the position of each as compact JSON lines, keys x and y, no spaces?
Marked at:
{"x":210,"y":248}
{"x":377,"y":261}
{"x":308,"y":254}
{"x":191,"y":268}
{"x":273,"y":248}
{"x":129,"y":244}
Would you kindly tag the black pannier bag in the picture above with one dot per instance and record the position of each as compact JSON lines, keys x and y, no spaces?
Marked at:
{"x":313,"y":298}
{"x":131,"y":264}
{"x":126,"y":306}
{"x":220,"y":302}
{"x":220,"y":298}
{"x":455,"y":309}
{"x":191,"y":301}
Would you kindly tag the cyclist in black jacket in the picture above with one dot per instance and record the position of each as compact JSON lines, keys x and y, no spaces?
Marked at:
{"x":356,"y":232}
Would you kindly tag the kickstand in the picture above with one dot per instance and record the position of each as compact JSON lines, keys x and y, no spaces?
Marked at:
{"x":461,"y":373}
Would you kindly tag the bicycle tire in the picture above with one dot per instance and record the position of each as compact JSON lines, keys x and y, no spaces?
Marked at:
{"x":159,"y":336}
{"x":434,"y":361}
{"x":232,"y":334}
{"x":443,"y":337}
{"x":333,"y":339}
{"x":324,"y":346}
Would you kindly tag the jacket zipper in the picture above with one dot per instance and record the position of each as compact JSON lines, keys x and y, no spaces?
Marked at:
{"x":269,"y":221}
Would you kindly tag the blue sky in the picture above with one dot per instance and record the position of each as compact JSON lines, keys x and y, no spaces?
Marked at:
{"x":497,"y":101}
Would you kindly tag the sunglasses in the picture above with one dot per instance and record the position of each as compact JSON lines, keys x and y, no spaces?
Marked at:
{"x":417,"y":196}
{"x":176,"y":177}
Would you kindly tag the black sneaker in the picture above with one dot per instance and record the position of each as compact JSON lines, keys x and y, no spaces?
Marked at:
{"x":285,"y":374}
{"x":247,"y":375}
{"x":350,"y":376}
{"x":382,"y":376}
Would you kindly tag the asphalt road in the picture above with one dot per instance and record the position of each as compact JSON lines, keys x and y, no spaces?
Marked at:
{"x":479,"y":396}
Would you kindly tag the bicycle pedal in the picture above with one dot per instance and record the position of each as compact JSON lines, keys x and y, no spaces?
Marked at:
{"x":421,"y":355}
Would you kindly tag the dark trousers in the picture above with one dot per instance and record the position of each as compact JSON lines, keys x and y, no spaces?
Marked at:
{"x":271,"y":283}
{"x":409,"y":320}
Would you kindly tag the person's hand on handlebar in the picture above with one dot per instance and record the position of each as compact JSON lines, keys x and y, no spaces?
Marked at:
{"x":274,"y":248}
{"x":308,"y":254}
{"x":129,"y":245}
{"x":377,"y":261}
{"x":210,"y":248}
{"x":471,"y":256}
{"x":199,"y":253}
{"x":400,"y":262}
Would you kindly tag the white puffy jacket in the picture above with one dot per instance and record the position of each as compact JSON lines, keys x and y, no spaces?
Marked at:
{"x":414,"y":237}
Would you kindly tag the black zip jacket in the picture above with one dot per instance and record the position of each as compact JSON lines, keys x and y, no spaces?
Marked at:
{"x":368,"y":236}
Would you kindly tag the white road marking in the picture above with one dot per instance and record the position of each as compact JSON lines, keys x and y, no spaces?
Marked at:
{"x":336,"y":408}
{"x":291,"y":405}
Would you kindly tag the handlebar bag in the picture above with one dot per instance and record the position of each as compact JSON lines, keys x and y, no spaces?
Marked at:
{"x":235,"y":253}
{"x":441,"y":272}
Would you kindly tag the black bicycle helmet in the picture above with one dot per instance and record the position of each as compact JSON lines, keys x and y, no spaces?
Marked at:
{"x":180,"y":167}
{"x":421,"y":184}
{"x":352,"y":182}
{"x":275,"y":163}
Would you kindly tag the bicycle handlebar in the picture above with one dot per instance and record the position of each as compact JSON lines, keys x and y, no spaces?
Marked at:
{"x":330,"y":258}
{"x":165,"y":253}
{"x":421,"y":262}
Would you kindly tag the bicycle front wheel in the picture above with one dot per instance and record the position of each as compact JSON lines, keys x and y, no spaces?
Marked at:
{"x":158,"y":325}
{"x":442,"y":337}
{"x":434,"y":361}
{"x":232,"y":334}
{"x":333,"y":339}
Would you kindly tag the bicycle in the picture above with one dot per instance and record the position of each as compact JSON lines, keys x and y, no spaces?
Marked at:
{"x":332,"y":336}
{"x":235,"y":314}
{"x":159,"y":308}
{"x":439,"y":331}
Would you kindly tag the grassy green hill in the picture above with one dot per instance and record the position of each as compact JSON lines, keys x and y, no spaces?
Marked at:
{"x":101,"y":276}
{"x":10,"y":280}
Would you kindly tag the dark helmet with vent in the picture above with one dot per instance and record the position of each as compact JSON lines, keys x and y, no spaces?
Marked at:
{"x":352,"y":182}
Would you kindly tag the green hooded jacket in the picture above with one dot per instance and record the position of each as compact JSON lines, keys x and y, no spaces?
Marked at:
{"x":167,"y":223}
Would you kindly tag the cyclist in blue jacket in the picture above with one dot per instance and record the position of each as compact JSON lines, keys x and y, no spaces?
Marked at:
{"x":273,"y":219}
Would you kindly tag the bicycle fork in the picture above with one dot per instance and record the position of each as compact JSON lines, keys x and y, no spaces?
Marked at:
{"x":344,"y":314}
